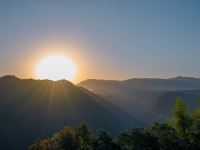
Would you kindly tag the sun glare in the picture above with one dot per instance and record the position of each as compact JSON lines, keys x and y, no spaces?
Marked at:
{"x":56,"y":68}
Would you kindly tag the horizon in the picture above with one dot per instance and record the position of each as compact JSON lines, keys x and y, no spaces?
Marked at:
{"x":105,"y":40}
{"x":98,"y":79}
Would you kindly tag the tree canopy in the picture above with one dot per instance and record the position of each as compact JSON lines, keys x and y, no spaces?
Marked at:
{"x":180,"y":131}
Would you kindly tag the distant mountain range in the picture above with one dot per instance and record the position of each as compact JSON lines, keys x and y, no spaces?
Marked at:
{"x":31,"y":109}
{"x":147,"y":98}
{"x":177,"y":83}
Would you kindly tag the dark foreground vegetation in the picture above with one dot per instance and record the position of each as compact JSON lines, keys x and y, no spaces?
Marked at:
{"x":181,"y":131}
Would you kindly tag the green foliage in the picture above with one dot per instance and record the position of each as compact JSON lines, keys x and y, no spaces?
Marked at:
{"x":65,"y":139}
{"x":166,"y":136}
{"x":84,"y":134}
{"x":196,"y":114}
{"x":42,"y":145}
{"x":181,"y":116}
{"x":181,"y":131}
{"x":194,"y":135}
{"x":137,"y":139}
{"x":103,"y":141}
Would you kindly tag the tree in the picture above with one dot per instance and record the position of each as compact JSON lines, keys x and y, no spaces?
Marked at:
{"x":196,"y":115}
{"x":84,"y":135}
{"x":183,"y":134}
{"x":182,"y":116}
{"x":194,"y":136}
{"x":65,"y":140}
{"x":103,"y":141}
{"x":138,"y":139}
{"x":166,"y":136}
{"x":42,"y":145}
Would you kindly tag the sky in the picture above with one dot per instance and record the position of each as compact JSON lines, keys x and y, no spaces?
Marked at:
{"x":107,"y":39}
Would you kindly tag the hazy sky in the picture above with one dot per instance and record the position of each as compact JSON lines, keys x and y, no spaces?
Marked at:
{"x":109,"y":39}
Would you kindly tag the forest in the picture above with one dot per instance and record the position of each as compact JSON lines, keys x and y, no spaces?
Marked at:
{"x":180,"y":131}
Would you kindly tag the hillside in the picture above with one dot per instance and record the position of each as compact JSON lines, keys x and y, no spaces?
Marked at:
{"x":31,"y":109}
{"x":147,"y":98}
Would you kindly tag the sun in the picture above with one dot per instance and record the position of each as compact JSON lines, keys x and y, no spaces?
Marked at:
{"x":55,"y":68}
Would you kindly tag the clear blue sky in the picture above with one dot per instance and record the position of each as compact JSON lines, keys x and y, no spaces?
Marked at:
{"x":117,"y":38}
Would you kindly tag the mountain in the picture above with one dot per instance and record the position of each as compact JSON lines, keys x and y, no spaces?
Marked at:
{"x":31,"y":109}
{"x":177,"y":83}
{"x":148,"y":98}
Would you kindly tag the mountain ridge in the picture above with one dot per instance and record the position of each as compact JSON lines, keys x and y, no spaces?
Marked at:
{"x":176,"y":83}
{"x":31,"y":109}
{"x":146,"y":97}
{"x":146,"y":78}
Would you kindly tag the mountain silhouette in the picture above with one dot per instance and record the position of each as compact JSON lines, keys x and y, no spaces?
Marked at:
{"x":31,"y":109}
{"x":177,"y":83}
{"x":150,"y":99}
